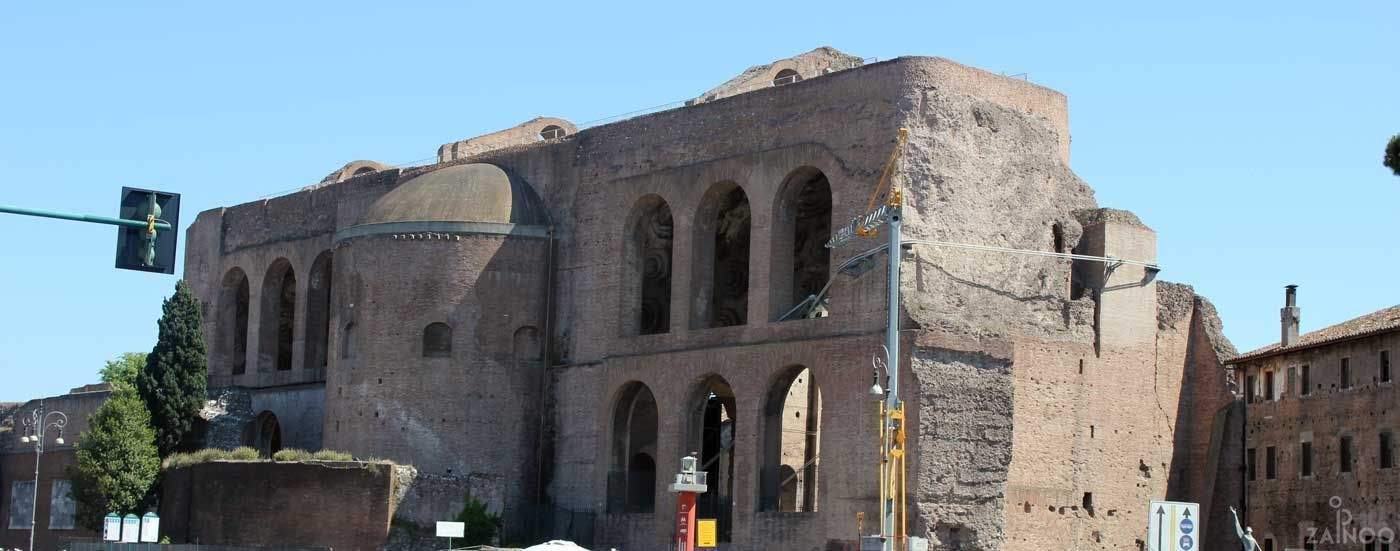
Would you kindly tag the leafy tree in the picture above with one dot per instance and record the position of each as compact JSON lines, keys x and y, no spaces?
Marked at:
{"x":172,"y":385}
{"x":117,"y":460}
{"x":1392,"y":154}
{"x":121,"y":372}
{"x":480,"y":526}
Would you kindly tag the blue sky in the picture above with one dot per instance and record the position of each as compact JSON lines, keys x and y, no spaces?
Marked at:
{"x":1248,"y":134}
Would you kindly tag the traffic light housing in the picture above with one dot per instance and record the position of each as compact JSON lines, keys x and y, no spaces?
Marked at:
{"x":145,"y":248}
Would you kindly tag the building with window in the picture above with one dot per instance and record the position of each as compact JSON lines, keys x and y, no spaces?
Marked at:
{"x":553,"y":315}
{"x":1322,"y":413}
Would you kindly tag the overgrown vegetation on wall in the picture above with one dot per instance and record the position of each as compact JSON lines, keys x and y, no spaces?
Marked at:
{"x":206,"y":455}
{"x":173,"y":382}
{"x":117,"y":461}
{"x":480,"y":526}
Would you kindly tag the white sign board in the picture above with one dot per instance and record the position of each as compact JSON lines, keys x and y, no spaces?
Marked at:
{"x":130,"y":528}
{"x":451,"y":529}
{"x":150,"y":528}
{"x":1173,"y":526}
{"x":111,"y":527}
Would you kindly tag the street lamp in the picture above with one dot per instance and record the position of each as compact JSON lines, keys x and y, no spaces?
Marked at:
{"x":35,"y":428}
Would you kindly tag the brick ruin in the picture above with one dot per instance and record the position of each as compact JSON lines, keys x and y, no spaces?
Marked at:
{"x":557,"y":315}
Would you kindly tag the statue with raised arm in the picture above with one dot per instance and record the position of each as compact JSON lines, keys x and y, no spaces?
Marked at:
{"x":1246,"y":534}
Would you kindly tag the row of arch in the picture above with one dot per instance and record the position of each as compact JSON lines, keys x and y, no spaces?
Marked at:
{"x":789,"y":457}
{"x":277,"y":312}
{"x":721,"y":253}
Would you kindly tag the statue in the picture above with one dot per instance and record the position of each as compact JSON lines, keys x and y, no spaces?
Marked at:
{"x":1246,"y":535}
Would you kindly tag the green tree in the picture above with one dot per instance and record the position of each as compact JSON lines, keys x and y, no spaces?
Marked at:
{"x":1392,"y":154}
{"x":172,"y":385}
{"x":117,"y":460}
{"x":479,"y":525}
{"x":121,"y":372}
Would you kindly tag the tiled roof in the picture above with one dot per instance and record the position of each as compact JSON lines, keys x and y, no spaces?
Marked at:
{"x":1380,"y":321}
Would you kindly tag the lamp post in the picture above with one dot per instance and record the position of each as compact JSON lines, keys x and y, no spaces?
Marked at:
{"x":35,"y":429}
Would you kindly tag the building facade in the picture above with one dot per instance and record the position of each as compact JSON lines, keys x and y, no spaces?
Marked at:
{"x":1320,"y":449}
{"x":556,"y":323}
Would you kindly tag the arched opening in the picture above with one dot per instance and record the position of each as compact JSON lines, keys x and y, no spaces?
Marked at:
{"x":437,"y":340}
{"x":721,"y":269}
{"x":269,"y":439}
{"x":1057,"y":238}
{"x":363,"y":170}
{"x":792,"y":416}
{"x":275,"y":333}
{"x":525,"y":344}
{"x":347,"y":341}
{"x":233,"y":321}
{"x":801,"y":227}
{"x":786,"y":76}
{"x":552,"y":132}
{"x":318,"y":313}
{"x":632,"y":476}
{"x":647,"y":261}
{"x":710,"y":431}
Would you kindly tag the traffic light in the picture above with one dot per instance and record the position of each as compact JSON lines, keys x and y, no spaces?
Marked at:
{"x":146,"y":248}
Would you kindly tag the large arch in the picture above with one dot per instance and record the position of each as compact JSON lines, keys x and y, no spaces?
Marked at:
{"x":232,"y":343}
{"x":720,"y":272}
{"x":278,"y":317}
{"x":710,"y":431}
{"x":791,"y":438}
{"x":632,"y":474}
{"x":801,"y":263}
{"x":647,"y":256}
{"x":268,"y":440}
{"x":318,"y":312}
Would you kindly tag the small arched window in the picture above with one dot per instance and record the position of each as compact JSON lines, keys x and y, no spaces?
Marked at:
{"x":437,"y":340}
{"x":786,"y":76}
{"x":552,"y":132}
{"x":347,"y":341}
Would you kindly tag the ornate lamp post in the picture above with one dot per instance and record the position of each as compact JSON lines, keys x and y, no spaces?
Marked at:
{"x":35,"y":430}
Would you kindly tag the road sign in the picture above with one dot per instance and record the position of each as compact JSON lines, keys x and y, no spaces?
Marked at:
{"x":451,"y":529}
{"x":112,"y":527}
{"x":1173,"y":526}
{"x":150,"y":528}
{"x":705,"y":532}
{"x":131,"y":528}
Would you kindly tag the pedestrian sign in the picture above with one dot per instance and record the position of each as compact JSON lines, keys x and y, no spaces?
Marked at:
{"x":1172,"y":526}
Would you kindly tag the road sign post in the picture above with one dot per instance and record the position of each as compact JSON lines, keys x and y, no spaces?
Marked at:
{"x":451,"y":530}
{"x":1173,"y":526}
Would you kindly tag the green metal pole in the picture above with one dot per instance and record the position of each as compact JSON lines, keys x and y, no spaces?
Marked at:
{"x":160,"y":226}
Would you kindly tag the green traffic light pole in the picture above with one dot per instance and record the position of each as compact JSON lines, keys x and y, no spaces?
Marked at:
{"x":151,"y":224}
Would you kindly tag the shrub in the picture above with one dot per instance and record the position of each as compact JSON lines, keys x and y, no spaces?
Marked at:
{"x":332,"y":455}
{"x":481,"y":526}
{"x":291,"y":454}
{"x":244,"y":453}
{"x":118,"y":461}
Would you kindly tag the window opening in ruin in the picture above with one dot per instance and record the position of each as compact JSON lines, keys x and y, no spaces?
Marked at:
{"x":1306,"y":460}
{"x":437,"y":340}
{"x":552,"y":132}
{"x":269,"y":439}
{"x":1385,"y":366}
{"x":1306,"y":377}
{"x":233,"y":321}
{"x":1091,"y":431}
{"x":1346,"y":373}
{"x":347,"y":341}
{"x":279,"y":298}
{"x":721,"y":290}
{"x":1088,"y":503}
{"x":363,"y":170}
{"x":801,"y":264}
{"x":1290,"y":383}
{"x":786,"y":76}
{"x":1250,"y":463}
{"x":1270,"y":463}
{"x":1249,"y":389}
{"x":632,"y":476}
{"x":1081,"y":366}
{"x":1269,"y":386}
{"x":1344,"y":453}
{"x":1387,"y":449}
{"x":791,"y":438}
{"x":651,"y":234}
{"x":1057,"y":238}
{"x":525,"y":344}
{"x":1269,"y":544}
{"x":710,"y":431}
{"x":318,"y":312}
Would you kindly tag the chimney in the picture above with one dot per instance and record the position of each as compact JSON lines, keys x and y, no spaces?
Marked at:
{"x":1288,"y":316}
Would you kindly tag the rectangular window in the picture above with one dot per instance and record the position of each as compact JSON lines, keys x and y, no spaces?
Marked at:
{"x":1268,"y":544}
{"x":1309,"y":545}
{"x":1306,"y":459}
{"x":1269,"y":386}
{"x":21,"y":504}
{"x":61,"y":506}
{"x":1270,"y":467}
{"x":1346,"y":373}
{"x":1250,"y":463}
{"x":1385,"y":366}
{"x":1371,"y":545}
{"x":1387,"y":449}
{"x":1306,"y":384}
{"x":1291,"y":383}
{"x":1249,"y":389}
{"x":1344,"y":453}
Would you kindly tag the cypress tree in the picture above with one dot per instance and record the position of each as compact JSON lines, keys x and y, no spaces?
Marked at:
{"x":1392,"y":155}
{"x":173,"y":382}
{"x":117,"y":460}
